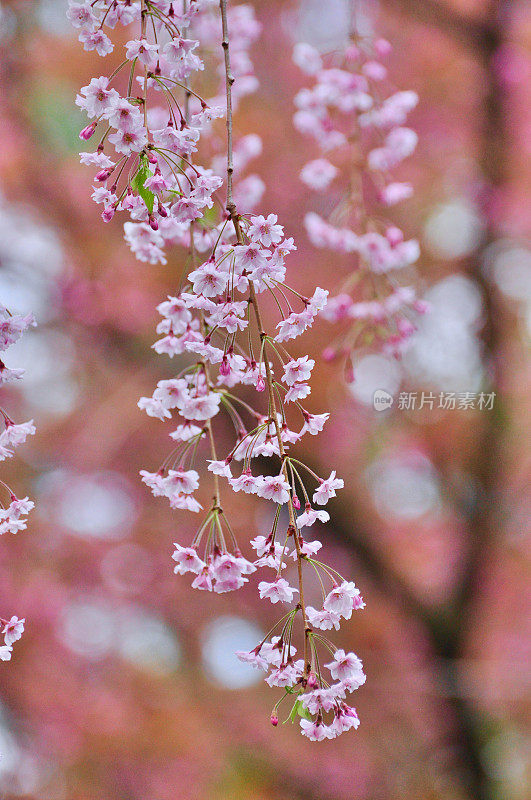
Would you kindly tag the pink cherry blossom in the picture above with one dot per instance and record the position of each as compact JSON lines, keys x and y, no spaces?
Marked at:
{"x":327,"y":489}
{"x":346,"y":667}
{"x":13,"y":630}
{"x":278,"y":591}
{"x":187,"y":560}
{"x":274,"y":487}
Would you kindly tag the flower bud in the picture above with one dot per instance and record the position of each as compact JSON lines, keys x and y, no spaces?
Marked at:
{"x":274,"y":720}
{"x":382,"y":47}
{"x":329,"y":354}
{"x":102,"y":175}
{"x":394,"y":236}
{"x":312,"y":680}
{"x":260,"y":384}
{"x":349,"y":371}
{"x":87,"y":132}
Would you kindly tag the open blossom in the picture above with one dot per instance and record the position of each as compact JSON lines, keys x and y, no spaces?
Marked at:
{"x":274,"y":487}
{"x":298,"y":370}
{"x":97,"y":98}
{"x":12,"y":326}
{"x":308,"y":548}
{"x":265,"y":230}
{"x":346,"y":667}
{"x":315,"y":731}
{"x":278,"y":591}
{"x":327,"y":489}
{"x":13,"y":630}
{"x":343,"y":599}
{"x":187,"y":560}
{"x":247,"y":483}
{"x":253,"y":658}
{"x":285,"y":675}
{"x":11,"y":518}
{"x":323,"y":619}
{"x":345,"y":719}
{"x":311,"y":515}
{"x":318,"y":174}
{"x":179,"y":480}
{"x":5,"y":652}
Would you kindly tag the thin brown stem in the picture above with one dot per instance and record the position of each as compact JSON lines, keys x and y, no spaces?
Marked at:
{"x":235,"y":217}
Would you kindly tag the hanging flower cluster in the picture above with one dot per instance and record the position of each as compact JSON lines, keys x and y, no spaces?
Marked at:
{"x":355,"y":121}
{"x":156,"y":127}
{"x":13,"y":511}
{"x":214,"y":328}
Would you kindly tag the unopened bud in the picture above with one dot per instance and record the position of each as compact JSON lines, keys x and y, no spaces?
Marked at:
{"x":87,"y":132}
{"x":394,"y":236}
{"x":102,"y":175}
{"x":329,"y":353}
{"x":312,"y":680}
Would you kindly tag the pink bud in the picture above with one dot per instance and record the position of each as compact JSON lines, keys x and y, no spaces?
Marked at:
{"x":153,"y":223}
{"x":102,"y":175}
{"x":421,"y":306}
{"x":394,"y":236}
{"x":224,"y":368}
{"x":260,"y":384}
{"x":87,"y":132}
{"x":329,"y":354}
{"x":312,"y":680}
{"x":274,"y":720}
{"x":152,"y":158}
{"x":382,"y":47}
{"x":296,"y":502}
{"x":349,"y":371}
{"x":162,"y":211}
{"x":405,"y":327}
{"x":352,"y":53}
{"x":374,"y":70}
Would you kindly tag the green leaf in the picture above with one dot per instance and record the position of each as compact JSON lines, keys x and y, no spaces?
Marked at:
{"x":138,"y":184}
{"x":298,"y":709}
{"x":293,"y":712}
{"x":303,"y":712}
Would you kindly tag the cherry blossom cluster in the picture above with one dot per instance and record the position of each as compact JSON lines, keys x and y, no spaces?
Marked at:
{"x":360,"y":126}
{"x":13,"y":510}
{"x":156,"y":125}
{"x":228,"y":361}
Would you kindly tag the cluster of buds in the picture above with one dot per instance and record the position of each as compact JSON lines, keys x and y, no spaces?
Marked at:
{"x":215,"y":330}
{"x":361,"y":127}
{"x":13,"y":514}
